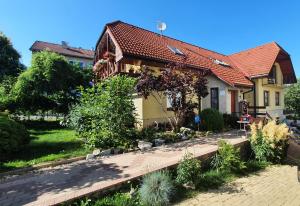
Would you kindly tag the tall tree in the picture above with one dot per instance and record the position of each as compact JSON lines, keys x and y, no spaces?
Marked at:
{"x":9,"y":58}
{"x":292,"y":98}
{"x":178,"y":85}
{"x":49,"y":84}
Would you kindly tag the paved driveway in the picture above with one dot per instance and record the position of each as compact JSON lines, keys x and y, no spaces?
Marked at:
{"x":277,"y":185}
{"x":61,"y":183}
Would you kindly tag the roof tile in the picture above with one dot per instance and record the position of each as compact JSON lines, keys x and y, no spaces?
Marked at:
{"x":68,"y":51}
{"x":137,"y":41}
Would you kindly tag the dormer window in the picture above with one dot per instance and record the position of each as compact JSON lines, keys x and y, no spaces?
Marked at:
{"x":175,"y":50}
{"x":272,"y":76}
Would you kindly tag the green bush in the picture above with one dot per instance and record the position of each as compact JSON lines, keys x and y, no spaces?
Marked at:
{"x":269,"y":142}
{"x":105,"y":116}
{"x":211,"y":120}
{"x":212,"y":179}
{"x":13,"y":136}
{"x":148,"y":134}
{"x":188,"y":170}
{"x":157,"y":189}
{"x":227,"y":158}
{"x":230,"y":121}
{"x":169,"y":137}
{"x":118,"y":199}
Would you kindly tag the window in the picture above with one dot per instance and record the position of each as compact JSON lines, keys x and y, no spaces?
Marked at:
{"x":277,"y":98}
{"x":214,"y":98}
{"x":272,"y":76}
{"x":266,"y":98}
{"x":175,"y":50}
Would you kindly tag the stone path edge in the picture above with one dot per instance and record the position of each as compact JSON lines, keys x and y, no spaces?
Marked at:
{"x":41,"y":166}
{"x":134,"y":177}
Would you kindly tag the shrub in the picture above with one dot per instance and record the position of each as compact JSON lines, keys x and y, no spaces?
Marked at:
{"x":148,"y":134}
{"x":270,"y":142}
{"x":13,"y":136}
{"x":227,"y":158}
{"x":157,"y":189}
{"x":211,"y":120}
{"x":212,"y":179}
{"x":118,"y":199}
{"x":230,"y":121}
{"x":169,"y":137}
{"x":104,"y":116}
{"x":188,"y":170}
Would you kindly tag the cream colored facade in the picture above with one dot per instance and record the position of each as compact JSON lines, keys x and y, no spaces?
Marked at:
{"x":261,"y":85}
{"x":154,"y":108}
{"x":85,"y":62}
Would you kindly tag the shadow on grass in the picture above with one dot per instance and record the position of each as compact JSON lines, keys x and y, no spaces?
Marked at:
{"x":41,"y":125}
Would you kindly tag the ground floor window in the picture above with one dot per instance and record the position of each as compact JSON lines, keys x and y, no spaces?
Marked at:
{"x":266,"y":98}
{"x":277,"y":98}
{"x":214,"y":98}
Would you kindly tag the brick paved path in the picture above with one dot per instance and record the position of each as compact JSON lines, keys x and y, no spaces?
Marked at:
{"x":61,"y":183}
{"x":277,"y":185}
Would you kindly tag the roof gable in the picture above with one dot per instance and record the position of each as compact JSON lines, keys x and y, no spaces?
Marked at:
{"x":137,"y":42}
{"x":256,"y":61}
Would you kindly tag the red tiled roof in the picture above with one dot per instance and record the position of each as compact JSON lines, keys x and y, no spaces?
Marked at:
{"x":256,"y":61}
{"x":58,"y":48}
{"x":135,"y":41}
{"x":138,"y":42}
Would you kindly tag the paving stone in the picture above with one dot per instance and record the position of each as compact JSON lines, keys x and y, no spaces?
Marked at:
{"x":277,"y":185}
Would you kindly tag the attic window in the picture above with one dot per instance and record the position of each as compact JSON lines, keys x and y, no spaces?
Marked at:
{"x":175,"y":50}
{"x":216,"y":61}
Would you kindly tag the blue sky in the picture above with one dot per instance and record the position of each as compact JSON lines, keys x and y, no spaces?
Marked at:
{"x":223,"y":26}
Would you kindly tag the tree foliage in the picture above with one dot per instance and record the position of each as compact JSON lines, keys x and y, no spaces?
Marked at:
{"x":177,"y":84}
{"x":292,"y":98}
{"x":6,"y":95}
{"x":105,"y":113}
{"x":49,"y":84}
{"x":9,"y":58}
{"x":13,"y":136}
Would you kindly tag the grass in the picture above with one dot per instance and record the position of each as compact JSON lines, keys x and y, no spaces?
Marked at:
{"x":49,"y":143}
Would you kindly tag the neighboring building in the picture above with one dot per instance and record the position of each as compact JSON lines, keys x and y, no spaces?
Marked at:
{"x":83,"y":57}
{"x":257,"y":74}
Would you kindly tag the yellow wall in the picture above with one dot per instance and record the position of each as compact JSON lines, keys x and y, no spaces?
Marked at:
{"x":150,"y":110}
{"x":261,"y":86}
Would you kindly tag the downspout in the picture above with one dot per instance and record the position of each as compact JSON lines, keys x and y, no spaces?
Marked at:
{"x":254,"y":98}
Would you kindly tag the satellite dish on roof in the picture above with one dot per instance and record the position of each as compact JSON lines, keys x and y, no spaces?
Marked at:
{"x":161,"y":26}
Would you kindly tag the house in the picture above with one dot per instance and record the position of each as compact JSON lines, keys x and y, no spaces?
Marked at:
{"x":256,"y":75}
{"x":83,"y":57}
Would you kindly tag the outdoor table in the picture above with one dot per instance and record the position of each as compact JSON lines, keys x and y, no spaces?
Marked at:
{"x":243,"y":129}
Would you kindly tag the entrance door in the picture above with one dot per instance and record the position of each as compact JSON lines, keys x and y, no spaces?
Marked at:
{"x":233,"y":101}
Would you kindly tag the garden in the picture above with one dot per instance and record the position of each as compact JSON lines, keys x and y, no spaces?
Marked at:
{"x":190,"y":177}
{"x":99,"y":117}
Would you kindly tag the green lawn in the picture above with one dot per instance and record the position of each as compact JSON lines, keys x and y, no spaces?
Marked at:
{"x":47,"y":144}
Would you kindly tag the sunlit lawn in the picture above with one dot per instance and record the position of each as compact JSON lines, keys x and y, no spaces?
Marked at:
{"x":46,"y":145}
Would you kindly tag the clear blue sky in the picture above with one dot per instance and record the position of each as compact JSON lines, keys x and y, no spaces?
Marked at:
{"x":223,"y":26}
